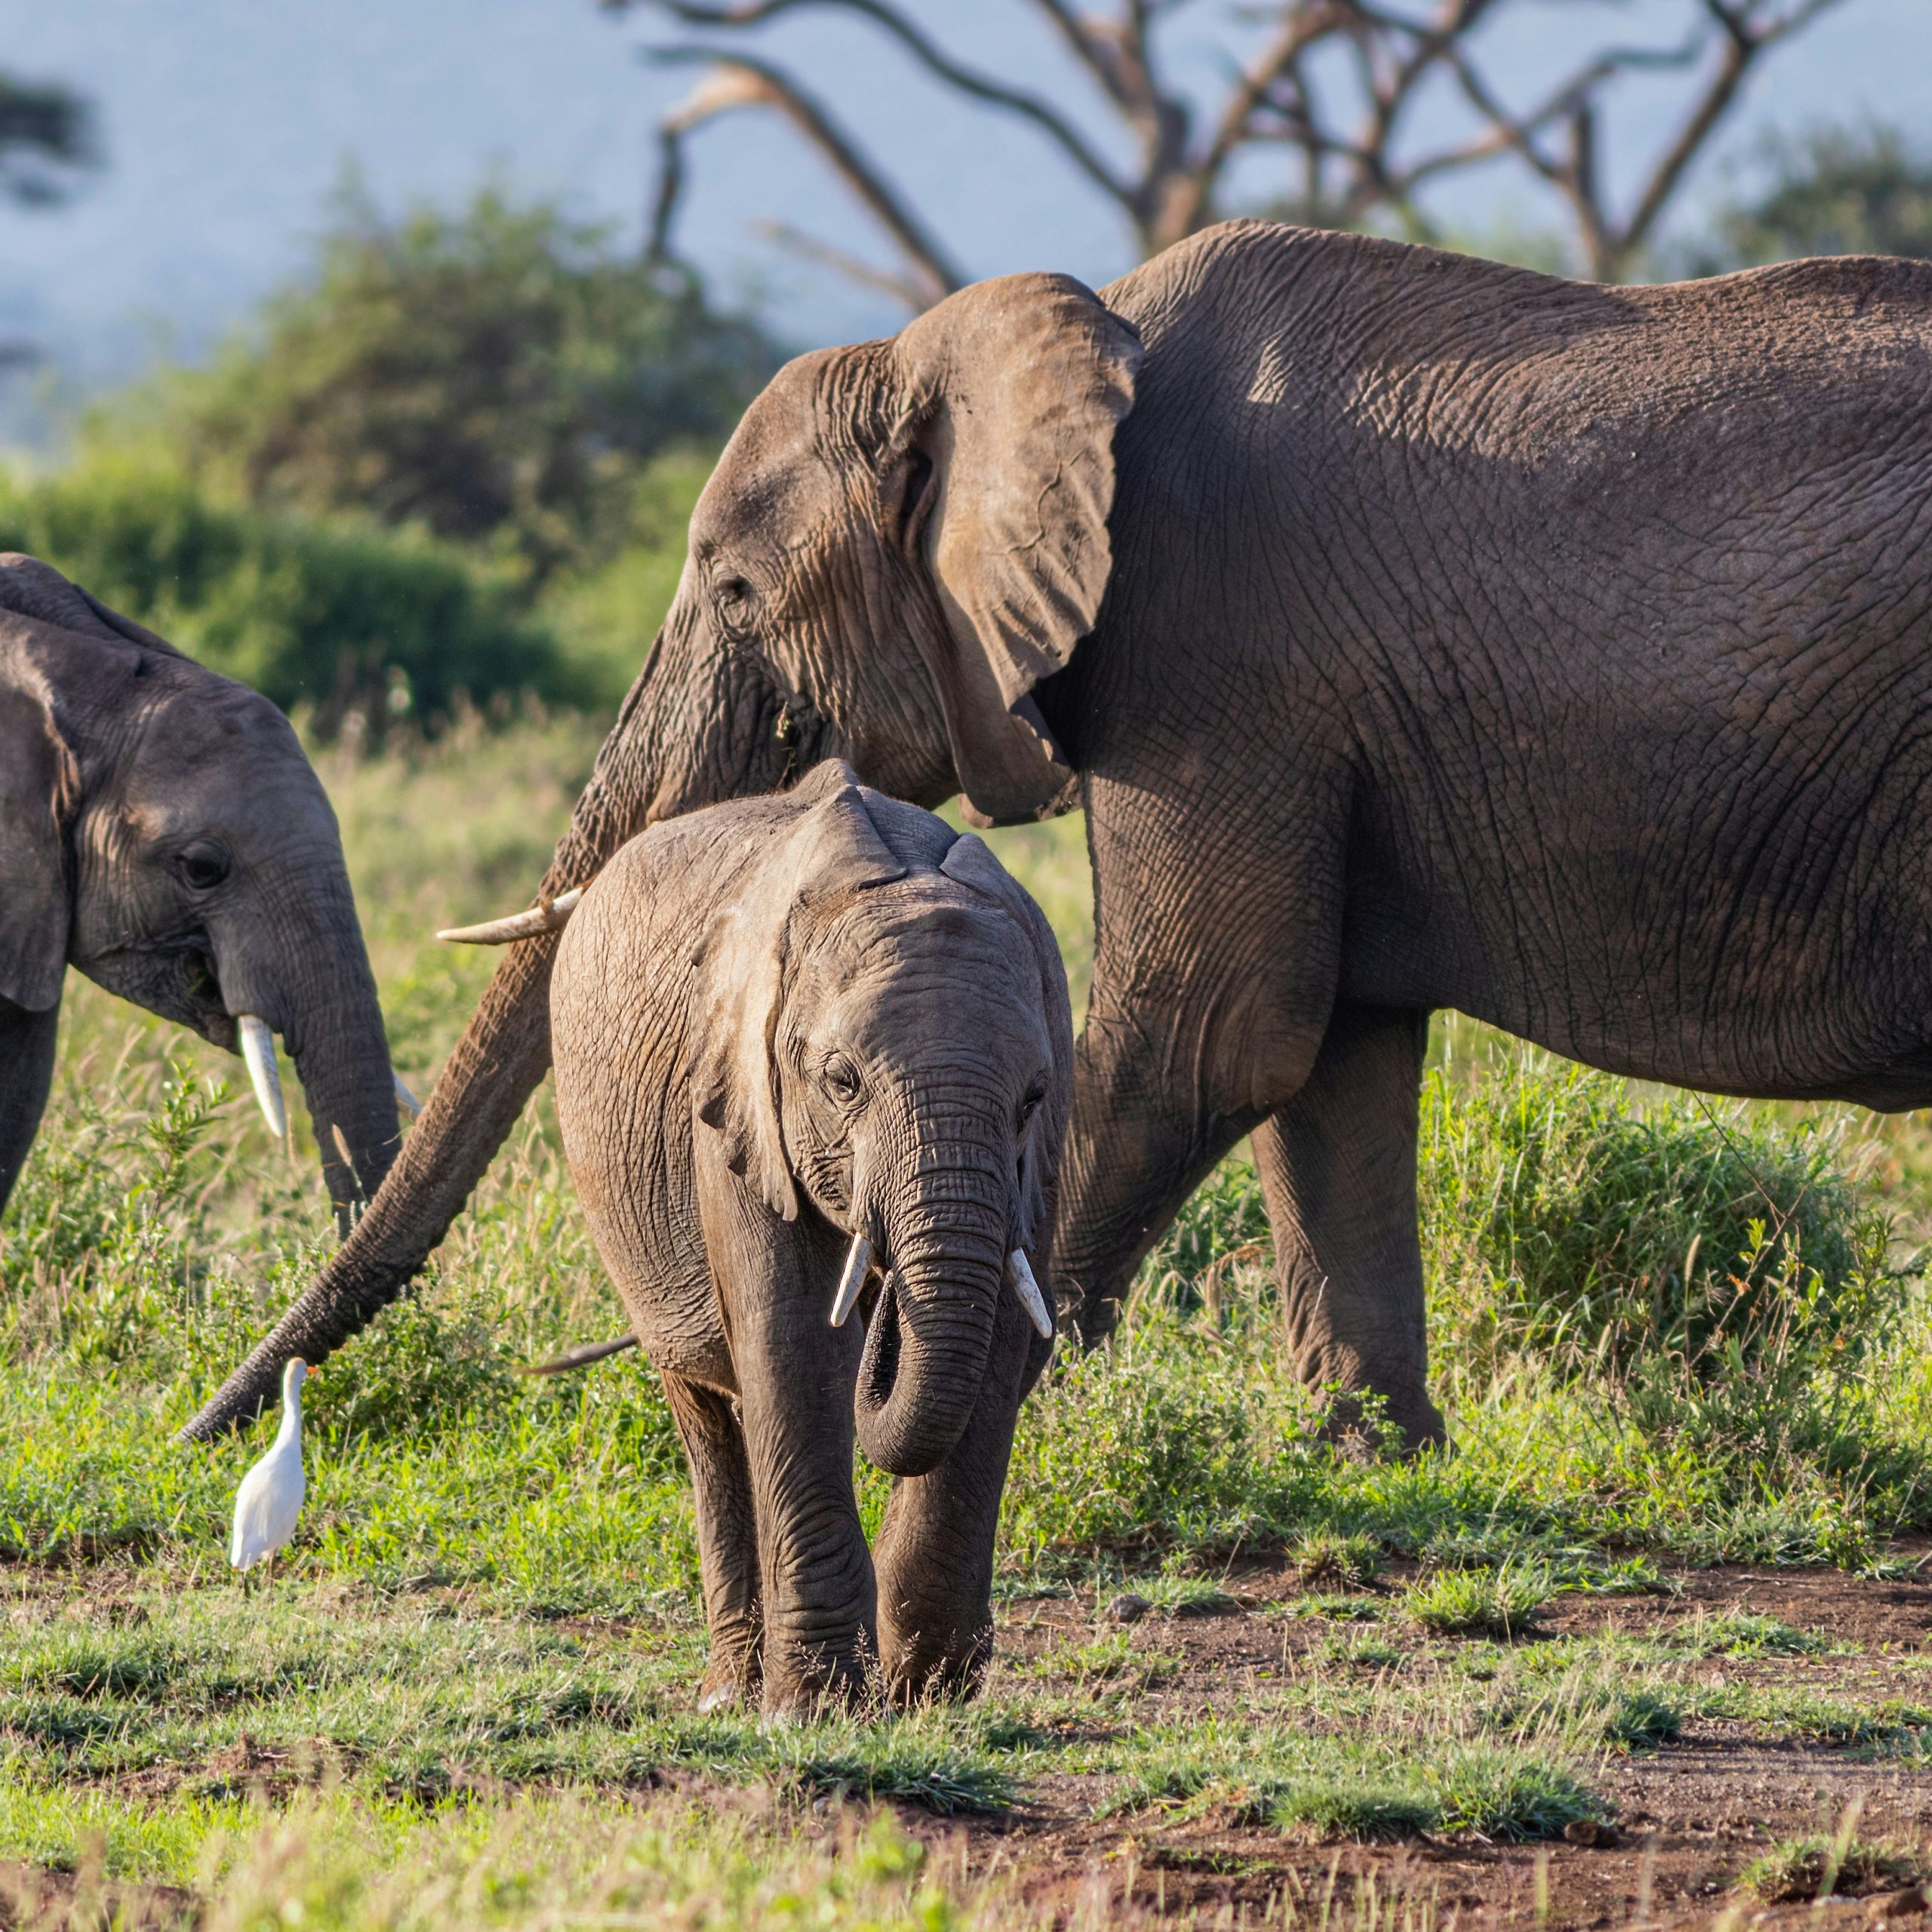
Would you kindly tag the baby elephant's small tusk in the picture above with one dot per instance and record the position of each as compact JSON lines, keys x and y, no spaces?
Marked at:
{"x":549,"y":917}
{"x":404,"y":1099}
{"x":1019,"y":1272}
{"x":858,"y":1261}
{"x":258,"y":1050}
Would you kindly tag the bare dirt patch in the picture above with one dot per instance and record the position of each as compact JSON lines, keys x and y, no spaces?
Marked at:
{"x":1688,"y":1815}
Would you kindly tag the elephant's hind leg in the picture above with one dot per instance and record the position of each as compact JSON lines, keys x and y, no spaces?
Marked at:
{"x":726,"y":1539}
{"x":1338,"y":1173}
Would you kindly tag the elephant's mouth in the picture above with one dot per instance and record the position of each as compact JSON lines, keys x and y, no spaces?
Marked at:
{"x":175,"y":977}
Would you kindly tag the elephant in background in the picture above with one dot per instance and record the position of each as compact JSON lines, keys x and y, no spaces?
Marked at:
{"x":1416,"y":632}
{"x":161,"y":831}
{"x":791,"y":1031}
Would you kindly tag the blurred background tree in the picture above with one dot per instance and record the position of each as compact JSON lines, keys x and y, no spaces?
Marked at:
{"x":48,"y":142}
{"x":449,"y":464}
{"x":1834,"y":191}
{"x":500,"y":376}
{"x":1374,"y":105}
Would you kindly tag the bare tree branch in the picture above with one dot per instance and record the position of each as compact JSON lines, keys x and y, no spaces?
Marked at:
{"x":737,"y":81}
{"x":915,"y":294}
{"x":975,"y":86}
{"x":1335,"y":83}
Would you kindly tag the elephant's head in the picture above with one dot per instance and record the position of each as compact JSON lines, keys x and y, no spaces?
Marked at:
{"x":884,"y":1038}
{"x":902,"y":538}
{"x":164,"y":833}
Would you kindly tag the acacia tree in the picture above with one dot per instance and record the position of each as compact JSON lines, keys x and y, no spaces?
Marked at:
{"x":46,"y":139}
{"x":1335,"y":86}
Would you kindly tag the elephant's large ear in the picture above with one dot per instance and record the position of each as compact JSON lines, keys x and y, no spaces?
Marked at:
{"x":37,"y":787}
{"x":832,"y":847}
{"x":1012,"y":390}
{"x":971,"y":861}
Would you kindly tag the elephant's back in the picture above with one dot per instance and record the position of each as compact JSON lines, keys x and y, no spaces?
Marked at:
{"x":1451,"y":361}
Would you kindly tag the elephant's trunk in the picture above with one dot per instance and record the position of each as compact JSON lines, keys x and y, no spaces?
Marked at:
{"x":932,"y":1327}
{"x":341,"y":1053}
{"x":687,"y":734}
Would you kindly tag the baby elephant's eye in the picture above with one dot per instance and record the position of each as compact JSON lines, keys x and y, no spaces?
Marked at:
{"x":202,"y":865}
{"x":842,"y":1079}
{"x":1030,"y":1106}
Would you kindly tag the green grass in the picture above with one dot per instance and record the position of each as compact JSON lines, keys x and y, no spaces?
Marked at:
{"x":1478,"y":1602}
{"x":332,"y":1863}
{"x":1665,"y":1332}
{"x":1815,"y":1867}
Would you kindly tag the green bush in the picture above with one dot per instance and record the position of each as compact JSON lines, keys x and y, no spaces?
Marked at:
{"x":500,"y":376}
{"x":1562,"y":1219}
{"x":342,"y":618}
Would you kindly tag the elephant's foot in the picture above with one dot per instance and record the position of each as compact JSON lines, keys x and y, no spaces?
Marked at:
{"x":804,"y":1681}
{"x":1401,"y":1423}
{"x":937,"y":1659}
{"x":732,"y":1676}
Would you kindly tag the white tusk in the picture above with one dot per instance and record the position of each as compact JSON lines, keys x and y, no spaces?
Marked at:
{"x":548,"y":917}
{"x":258,"y":1050}
{"x":1019,"y":1272}
{"x":404,"y":1099}
{"x":858,"y":1262}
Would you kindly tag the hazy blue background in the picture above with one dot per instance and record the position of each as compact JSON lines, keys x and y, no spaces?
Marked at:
{"x":228,"y":122}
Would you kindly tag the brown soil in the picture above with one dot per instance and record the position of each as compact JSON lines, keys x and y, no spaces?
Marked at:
{"x":35,"y":1899}
{"x":1690,"y":1814}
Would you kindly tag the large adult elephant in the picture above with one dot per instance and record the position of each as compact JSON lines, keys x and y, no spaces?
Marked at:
{"x":1417,"y":632}
{"x":161,"y":831}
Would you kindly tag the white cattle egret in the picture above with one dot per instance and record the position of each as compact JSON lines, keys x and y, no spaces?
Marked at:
{"x":270,"y":1497}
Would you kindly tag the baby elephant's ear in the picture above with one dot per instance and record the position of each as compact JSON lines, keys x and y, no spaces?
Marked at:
{"x":971,"y":861}
{"x":833,"y":848}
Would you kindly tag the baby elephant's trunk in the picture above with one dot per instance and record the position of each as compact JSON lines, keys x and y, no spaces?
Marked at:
{"x":926,"y":1346}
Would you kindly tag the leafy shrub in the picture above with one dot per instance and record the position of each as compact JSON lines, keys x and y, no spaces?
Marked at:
{"x":420,"y":1367}
{"x":1561,"y":1220}
{"x":344,"y":617}
{"x":500,"y":377}
{"x":1222,"y":1228}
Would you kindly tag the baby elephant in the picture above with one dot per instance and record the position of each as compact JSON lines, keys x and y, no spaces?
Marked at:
{"x":813,"y":1051}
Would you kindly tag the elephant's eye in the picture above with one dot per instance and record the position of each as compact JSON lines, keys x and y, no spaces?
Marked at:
{"x":202,"y":866}
{"x":842,"y":1080}
{"x":734,"y":597}
{"x":1030,"y":1106}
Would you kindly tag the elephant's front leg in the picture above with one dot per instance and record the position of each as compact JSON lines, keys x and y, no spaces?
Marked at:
{"x":796,"y":1375}
{"x":1338,"y":1173}
{"x":726,"y":1540}
{"x":27,"y":1071}
{"x":1216,"y":951}
{"x":934,"y":1555}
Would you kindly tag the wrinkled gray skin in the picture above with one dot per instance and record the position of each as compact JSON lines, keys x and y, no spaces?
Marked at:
{"x":161,"y":831}
{"x":1421,"y":632}
{"x":777,"y":1023}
